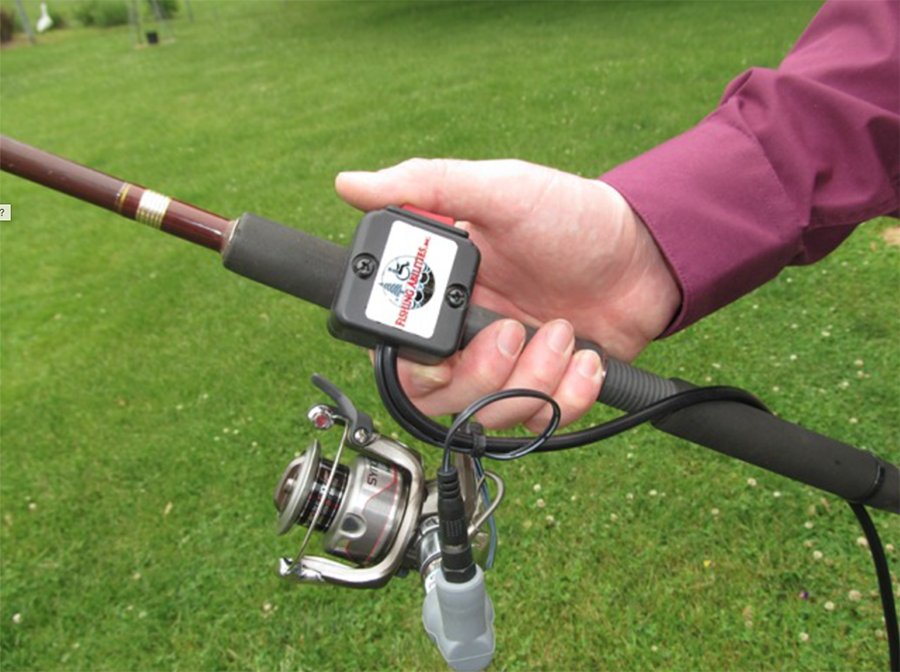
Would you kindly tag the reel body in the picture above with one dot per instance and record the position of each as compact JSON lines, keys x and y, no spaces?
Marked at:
{"x":377,"y":512}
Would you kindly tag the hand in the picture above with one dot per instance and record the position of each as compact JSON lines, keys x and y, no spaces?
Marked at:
{"x":560,"y":252}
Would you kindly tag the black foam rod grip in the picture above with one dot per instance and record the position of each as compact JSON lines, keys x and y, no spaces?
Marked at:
{"x":743,"y":432}
{"x":286,"y":259}
{"x":767,"y":441}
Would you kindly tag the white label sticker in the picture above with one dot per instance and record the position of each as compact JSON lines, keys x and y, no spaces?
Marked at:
{"x":412,"y":280}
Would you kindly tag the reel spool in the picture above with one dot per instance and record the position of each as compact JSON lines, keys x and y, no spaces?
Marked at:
{"x":361,"y":509}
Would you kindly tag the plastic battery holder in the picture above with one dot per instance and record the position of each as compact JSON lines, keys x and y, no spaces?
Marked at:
{"x":407,"y":283}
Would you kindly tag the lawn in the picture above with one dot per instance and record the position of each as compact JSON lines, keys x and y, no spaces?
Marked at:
{"x":150,"y":399}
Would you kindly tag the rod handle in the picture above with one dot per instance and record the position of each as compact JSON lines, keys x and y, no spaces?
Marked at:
{"x":286,"y":259}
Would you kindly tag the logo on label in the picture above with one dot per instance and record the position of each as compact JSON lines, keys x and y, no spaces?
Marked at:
{"x":408,"y":282}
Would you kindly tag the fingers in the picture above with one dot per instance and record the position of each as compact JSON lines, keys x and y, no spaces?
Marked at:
{"x":550,"y":365}
{"x":576,"y":393}
{"x":541,"y":367}
{"x":480,"y":369}
{"x":497,"y":359}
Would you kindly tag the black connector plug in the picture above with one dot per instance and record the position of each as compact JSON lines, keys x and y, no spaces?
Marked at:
{"x":457,"y":562}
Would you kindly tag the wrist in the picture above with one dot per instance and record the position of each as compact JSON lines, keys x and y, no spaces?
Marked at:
{"x":654,"y":282}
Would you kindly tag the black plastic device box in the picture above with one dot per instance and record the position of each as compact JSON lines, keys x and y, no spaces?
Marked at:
{"x":432,"y":278}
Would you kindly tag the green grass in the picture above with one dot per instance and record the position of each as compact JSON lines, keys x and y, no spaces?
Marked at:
{"x":150,"y":400}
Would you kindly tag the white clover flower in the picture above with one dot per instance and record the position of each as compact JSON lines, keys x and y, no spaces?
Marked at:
{"x":541,"y":503}
{"x":776,"y":494}
{"x":714,"y":512}
{"x":854,"y":596}
{"x":17,"y":618}
{"x":818,"y":555}
{"x":808,"y":524}
{"x":653,"y":493}
{"x":613,"y":517}
{"x":751,"y":482}
{"x":804,"y":637}
{"x":829,"y":606}
{"x":862,"y":541}
{"x":537,"y":487}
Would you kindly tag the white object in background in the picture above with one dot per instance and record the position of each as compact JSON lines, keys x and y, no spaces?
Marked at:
{"x":44,"y":23}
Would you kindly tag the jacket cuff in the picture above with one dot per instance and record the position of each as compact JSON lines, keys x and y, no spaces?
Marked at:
{"x":717,"y":211}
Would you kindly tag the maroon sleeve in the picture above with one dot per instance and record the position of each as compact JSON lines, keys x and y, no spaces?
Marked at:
{"x":787,"y":165}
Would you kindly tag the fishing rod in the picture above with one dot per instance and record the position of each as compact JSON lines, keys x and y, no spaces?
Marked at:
{"x":320,"y":272}
{"x":403,"y":287}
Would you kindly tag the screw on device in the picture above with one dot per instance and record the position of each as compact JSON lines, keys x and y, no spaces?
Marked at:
{"x":456,"y":296}
{"x":364,"y":265}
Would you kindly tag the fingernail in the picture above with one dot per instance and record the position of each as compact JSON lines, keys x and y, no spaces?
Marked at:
{"x":511,"y":339}
{"x":561,"y":337}
{"x":428,"y":378}
{"x":588,"y":364}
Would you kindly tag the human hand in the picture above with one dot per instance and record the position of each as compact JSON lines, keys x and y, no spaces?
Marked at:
{"x":560,"y":252}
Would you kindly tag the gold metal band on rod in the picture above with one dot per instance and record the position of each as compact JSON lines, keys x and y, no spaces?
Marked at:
{"x":120,"y":199}
{"x":152,"y":209}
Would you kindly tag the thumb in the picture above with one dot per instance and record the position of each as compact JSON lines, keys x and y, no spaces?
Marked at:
{"x":465,"y":190}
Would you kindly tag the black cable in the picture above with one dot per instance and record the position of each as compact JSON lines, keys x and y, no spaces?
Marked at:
{"x":460,"y":421}
{"x":884,"y":583}
{"x":427,"y":430}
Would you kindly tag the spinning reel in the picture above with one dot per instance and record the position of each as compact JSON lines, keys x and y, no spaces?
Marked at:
{"x":381,"y":518}
{"x":404,"y":287}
